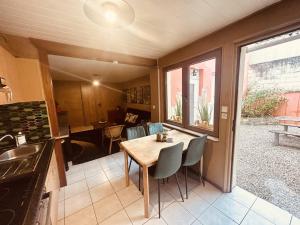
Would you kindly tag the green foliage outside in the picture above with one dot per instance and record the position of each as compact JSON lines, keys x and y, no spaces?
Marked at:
{"x":178,"y":106}
{"x":205,"y":112}
{"x":262,"y":103}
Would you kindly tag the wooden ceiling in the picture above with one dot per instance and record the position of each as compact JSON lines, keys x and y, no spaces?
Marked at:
{"x":68,"y":68}
{"x":159,"y":27}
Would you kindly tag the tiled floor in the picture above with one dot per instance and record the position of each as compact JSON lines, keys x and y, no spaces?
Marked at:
{"x":97,"y":195}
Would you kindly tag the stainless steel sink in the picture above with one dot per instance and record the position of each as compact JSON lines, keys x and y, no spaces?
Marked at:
{"x":20,"y":152}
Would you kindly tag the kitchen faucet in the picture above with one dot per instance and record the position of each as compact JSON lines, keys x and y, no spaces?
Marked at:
{"x":7,"y":135}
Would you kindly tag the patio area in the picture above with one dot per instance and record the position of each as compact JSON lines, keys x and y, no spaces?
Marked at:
{"x":268,"y":171}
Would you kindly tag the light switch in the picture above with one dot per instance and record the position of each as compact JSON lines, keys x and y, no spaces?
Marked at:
{"x":224,"y":109}
{"x":224,"y":116}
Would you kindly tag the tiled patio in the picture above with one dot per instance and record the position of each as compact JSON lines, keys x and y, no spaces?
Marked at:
{"x":96,"y":194}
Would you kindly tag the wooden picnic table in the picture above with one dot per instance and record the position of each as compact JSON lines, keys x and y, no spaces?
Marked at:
{"x":145,"y":151}
{"x":288,"y":121}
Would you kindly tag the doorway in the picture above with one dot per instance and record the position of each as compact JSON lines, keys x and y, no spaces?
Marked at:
{"x":267,"y":132}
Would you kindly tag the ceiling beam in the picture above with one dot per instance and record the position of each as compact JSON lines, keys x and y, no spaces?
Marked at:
{"x":55,"y":48}
{"x":20,"y":47}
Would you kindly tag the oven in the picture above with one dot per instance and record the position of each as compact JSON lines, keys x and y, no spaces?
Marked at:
{"x":44,"y":211}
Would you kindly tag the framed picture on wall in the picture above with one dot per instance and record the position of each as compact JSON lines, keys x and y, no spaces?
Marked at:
{"x":133,"y":95}
{"x":146,"y":95}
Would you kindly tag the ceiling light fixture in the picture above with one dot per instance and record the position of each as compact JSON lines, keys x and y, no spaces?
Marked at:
{"x":109,"y":13}
{"x":111,"y":16}
{"x":115,"y":62}
{"x":96,"y":82}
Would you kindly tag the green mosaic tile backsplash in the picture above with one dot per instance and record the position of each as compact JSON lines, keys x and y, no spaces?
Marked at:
{"x":30,"y":118}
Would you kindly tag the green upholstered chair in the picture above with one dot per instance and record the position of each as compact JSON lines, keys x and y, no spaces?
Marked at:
{"x":169,"y":162}
{"x":193,"y":155}
{"x":133,"y":133}
{"x":154,"y":128}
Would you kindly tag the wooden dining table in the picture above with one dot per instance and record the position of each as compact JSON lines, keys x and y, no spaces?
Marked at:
{"x":145,"y":152}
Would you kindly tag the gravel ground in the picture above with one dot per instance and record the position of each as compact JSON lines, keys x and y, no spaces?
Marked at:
{"x":271,"y":172}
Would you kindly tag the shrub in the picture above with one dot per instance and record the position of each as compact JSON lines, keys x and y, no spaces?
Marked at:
{"x":261,"y":103}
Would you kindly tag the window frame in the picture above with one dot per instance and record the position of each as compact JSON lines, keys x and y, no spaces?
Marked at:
{"x":166,"y":70}
{"x":215,"y":54}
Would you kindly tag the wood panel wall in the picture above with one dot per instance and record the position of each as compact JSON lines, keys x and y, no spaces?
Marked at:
{"x":85,"y":103}
{"x":280,"y":17}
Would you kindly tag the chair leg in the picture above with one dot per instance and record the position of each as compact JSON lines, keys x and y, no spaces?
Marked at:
{"x":158,"y":194}
{"x":129,"y":165}
{"x":201,"y":178}
{"x":179,"y":187}
{"x":110,"y":146}
{"x":186,"y":186}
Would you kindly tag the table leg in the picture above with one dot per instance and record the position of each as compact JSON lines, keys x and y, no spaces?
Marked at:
{"x":102,"y":137}
{"x":126,"y":168}
{"x":146,"y":191}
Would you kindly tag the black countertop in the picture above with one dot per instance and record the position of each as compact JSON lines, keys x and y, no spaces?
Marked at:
{"x":26,"y":192}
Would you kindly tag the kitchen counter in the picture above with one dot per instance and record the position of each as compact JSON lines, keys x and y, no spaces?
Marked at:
{"x":24,"y":193}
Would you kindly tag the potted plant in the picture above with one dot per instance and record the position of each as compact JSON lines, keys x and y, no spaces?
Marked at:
{"x":178,"y":109}
{"x":205,"y":112}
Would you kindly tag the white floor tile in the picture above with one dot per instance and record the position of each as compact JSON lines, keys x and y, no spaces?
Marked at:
{"x":109,"y":165}
{"x":75,"y":177}
{"x":107,"y":207}
{"x":96,"y":179}
{"x":155,"y":221}
{"x":271,"y":212}
{"x":62,"y":194}
{"x":212,"y":216}
{"x":254,"y":219}
{"x":114,"y":173}
{"x":135,"y":211}
{"x":195,"y":205}
{"x":85,"y":216}
{"x":101,"y":191}
{"x":75,"y":188}
{"x":231,"y":208}
{"x":119,"y":183}
{"x":209,"y":193}
{"x":197,"y":222}
{"x":175,"y":214}
{"x":77,"y":202}
{"x":93,"y":171}
{"x":242,"y":196}
{"x":74,"y":169}
{"x":129,"y":195}
{"x":295,"y":221}
{"x":61,"y":210}
{"x":61,"y":222}
{"x":119,"y":218}
{"x":165,"y":199}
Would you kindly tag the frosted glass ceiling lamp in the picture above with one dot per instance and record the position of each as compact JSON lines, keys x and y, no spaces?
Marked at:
{"x":109,"y":13}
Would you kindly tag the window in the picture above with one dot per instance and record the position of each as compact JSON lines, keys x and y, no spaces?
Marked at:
{"x":192,"y":93}
{"x":174,"y":95}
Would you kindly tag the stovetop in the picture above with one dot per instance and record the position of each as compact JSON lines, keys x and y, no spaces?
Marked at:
{"x":14,"y":197}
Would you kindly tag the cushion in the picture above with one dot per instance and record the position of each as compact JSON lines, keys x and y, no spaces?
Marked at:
{"x":131,"y":118}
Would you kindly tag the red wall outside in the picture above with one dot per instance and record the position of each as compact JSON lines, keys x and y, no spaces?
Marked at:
{"x":291,"y":107}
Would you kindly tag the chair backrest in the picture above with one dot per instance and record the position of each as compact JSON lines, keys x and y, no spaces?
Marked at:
{"x":169,"y":161}
{"x":115,"y":131}
{"x":135,"y":132}
{"x":195,"y":151}
{"x":154,"y":128}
